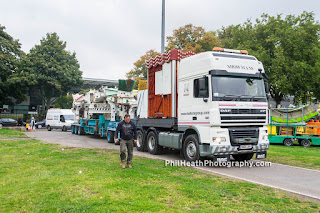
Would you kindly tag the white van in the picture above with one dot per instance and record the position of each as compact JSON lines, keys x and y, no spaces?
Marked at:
{"x":59,"y":119}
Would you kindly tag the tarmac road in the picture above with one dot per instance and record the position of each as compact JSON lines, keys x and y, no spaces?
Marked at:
{"x":304,"y":182}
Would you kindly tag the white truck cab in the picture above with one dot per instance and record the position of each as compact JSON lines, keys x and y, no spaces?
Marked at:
{"x":222,"y":97}
{"x":59,"y":119}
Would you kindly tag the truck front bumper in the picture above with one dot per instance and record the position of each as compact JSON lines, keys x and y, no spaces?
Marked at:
{"x":207,"y":149}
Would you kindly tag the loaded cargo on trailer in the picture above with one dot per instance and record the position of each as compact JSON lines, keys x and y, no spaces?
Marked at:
{"x":206,"y":104}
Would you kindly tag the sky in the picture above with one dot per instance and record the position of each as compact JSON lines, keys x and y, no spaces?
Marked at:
{"x":108,"y":36}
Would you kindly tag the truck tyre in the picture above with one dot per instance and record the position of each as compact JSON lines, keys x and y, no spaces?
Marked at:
{"x":140,"y":141}
{"x":110,"y":137}
{"x":305,"y":143}
{"x":81,"y":131}
{"x":243,"y":157}
{"x":77,"y":130}
{"x":191,"y":150}
{"x":49,"y":128}
{"x":64,"y":129}
{"x":288,"y":142}
{"x":153,"y":145}
{"x":72,"y":129}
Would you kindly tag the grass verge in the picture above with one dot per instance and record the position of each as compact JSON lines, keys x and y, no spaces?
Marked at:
{"x":39,"y":177}
{"x":299,"y":156}
{"x":10,"y":132}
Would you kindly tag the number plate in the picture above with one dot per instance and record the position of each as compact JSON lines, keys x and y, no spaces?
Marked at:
{"x":245,"y":147}
{"x":261,"y":155}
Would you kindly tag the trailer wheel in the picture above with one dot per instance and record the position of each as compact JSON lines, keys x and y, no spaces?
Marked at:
{"x":110,"y":137}
{"x":72,"y":129}
{"x":49,"y":128}
{"x":305,"y":143}
{"x":191,"y":148}
{"x":140,"y":141}
{"x":288,"y":142}
{"x":243,"y":157}
{"x":153,"y":145}
{"x":81,"y":131}
{"x":77,"y":130}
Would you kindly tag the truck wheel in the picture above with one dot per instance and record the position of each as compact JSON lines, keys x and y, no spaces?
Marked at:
{"x":110,"y":137}
{"x":153,"y":145}
{"x":288,"y":142}
{"x":81,"y":131}
{"x":305,"y":143}
{"x":72,"y":129}
{"x":77,"y":130}
{"x":191,"y":148}
{"x":243,"y":157}
{"x":140,"y":141}
{"x":64,"y":129}
{"x":49,"y":128}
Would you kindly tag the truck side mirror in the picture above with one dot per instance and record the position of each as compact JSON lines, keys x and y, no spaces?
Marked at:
{"x":266,"y":87}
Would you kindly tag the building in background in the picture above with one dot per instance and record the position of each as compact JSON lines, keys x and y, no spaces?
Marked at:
{"x":33,"y":104}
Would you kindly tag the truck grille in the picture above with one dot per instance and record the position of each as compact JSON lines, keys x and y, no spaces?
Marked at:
{"x":243,"y":117}
{"x":243,"y":111}
{"x":237,"y":135}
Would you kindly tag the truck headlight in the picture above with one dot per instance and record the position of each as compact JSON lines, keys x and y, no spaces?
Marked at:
{"x":263,"y":146}
{"x":265,"y":137}
{"x":218,"y":139}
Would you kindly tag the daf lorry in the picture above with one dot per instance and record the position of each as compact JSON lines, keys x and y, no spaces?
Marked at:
{"x":207,"y":104}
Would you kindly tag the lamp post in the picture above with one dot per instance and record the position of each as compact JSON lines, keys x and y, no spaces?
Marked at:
{"x":162,"y":26}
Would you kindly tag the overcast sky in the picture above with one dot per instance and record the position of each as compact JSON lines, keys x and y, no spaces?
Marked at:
{"x":108,"y":36}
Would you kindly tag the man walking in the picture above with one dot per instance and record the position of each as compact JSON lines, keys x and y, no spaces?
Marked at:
{"x":128,"y":135}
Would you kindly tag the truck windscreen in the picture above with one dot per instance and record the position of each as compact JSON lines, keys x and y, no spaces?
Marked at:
{"x":237,"y":89}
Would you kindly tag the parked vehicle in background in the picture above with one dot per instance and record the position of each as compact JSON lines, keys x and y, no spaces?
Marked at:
{"x":41,"y":124}
{"x":8,"y":122}
{"x":59,"y":119}
{"x":294,"y":125}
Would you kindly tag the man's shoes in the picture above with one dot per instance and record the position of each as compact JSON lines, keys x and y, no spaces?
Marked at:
{"x":123,"y":164}
{"x":129,"y":165}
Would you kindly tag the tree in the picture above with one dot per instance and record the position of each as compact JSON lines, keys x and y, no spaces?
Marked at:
{"x":56,"y":70}
{"x":64,"y":102}
{"x":288,"y":48}
{"x":139,"y":71}
{"x":13,"y":78}
{"x":192,"y":38}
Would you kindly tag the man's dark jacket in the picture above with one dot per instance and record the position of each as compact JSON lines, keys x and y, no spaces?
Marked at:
{"x":127,"y":130}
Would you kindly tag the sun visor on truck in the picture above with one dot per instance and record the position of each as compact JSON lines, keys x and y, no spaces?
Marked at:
{"x":226,"y":73}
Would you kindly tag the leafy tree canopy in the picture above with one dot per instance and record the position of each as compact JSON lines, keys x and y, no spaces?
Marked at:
{"x":64,"y":102}
{"x":56,"y":70}
{"x":139,"y":71}
{"x":192,"y":38}
{"x":13,"y":77}
{"x":289,"y":49}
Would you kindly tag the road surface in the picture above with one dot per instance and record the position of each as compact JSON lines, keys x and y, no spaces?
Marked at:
{"x":304,"y":182}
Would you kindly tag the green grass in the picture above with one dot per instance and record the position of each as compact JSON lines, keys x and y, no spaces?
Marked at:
{"x":308,"y":157}
{"x":39,"y":177}
{"x":10,"y":132}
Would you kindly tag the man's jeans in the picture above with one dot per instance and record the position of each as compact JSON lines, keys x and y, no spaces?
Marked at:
{"x":124,"y":146}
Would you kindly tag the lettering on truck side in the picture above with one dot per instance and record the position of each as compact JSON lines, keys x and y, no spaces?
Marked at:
{"x":239,"y":67}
